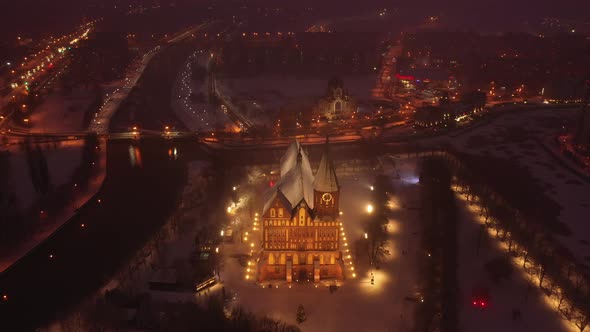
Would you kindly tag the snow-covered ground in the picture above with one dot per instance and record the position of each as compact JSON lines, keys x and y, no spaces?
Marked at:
{"x":518,"y":293}
{"x":59,"y":114}
{"x":519,"y":137}
{"x":276,"y":87}
{"x":356,"y":305}
{"x":262,"y":96}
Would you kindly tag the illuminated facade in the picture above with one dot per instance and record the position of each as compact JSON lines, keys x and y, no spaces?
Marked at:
{"x":301,"y":224}
{"x":337,"y":104}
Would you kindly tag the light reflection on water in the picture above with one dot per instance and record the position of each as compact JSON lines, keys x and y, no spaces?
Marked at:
{"x":135,"y":156}
{"x":173,"y":153}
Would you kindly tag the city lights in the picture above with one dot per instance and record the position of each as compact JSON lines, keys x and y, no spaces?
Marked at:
{"x":467,"y":125}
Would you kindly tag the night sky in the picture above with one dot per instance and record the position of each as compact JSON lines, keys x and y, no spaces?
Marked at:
{"x":488,"y":16}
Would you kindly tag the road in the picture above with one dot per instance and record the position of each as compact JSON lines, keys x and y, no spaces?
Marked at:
{"x":101,"y":121}
{"x":388,"y":68}
{"x":34,"y":69}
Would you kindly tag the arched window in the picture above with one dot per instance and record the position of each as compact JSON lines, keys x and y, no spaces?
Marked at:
{"x":338,"y":107}
{"x":280,"y":212}
{"x":272,"y":212}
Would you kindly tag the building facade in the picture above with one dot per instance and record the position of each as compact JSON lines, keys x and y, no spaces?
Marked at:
{"x":337,"y":104}
{"x":300,"y":222}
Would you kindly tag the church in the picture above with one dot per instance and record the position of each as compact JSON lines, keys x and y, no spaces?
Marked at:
{"x":337,"y":104}
{"x":300,"y":222}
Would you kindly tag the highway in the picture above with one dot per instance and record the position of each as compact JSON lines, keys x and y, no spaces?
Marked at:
{"x":37,"y":69}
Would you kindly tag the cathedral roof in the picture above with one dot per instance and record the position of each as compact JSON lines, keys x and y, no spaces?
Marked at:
{"x":325,"y":178}
{"x":297,"y":185}
{"x":296,"y":182}
{"x":289,"y":159}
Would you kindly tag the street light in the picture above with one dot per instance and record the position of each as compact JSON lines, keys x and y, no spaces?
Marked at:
{"x":372,"y":188}
{"x":366,"y":236}
{"x":370,"y":208}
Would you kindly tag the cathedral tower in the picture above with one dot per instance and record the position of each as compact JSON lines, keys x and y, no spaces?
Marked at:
{"x":326,"y":190}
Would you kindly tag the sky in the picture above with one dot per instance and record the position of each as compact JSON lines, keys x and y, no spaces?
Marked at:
{"x":500,"y":15}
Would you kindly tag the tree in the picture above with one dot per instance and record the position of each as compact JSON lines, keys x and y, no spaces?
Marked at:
{"x":300,"y":317}
{"x":377,"y":239}
{"x":581,"y":319}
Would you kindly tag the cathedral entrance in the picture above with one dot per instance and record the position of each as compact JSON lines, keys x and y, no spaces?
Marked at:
{"x":303,"y":275}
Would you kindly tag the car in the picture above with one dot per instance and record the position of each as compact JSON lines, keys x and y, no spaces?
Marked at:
{"x":480,"y":297}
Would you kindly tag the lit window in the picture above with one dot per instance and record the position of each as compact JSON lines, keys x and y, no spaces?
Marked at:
{"x":280,"y":212}
{"x":272,"y":213}
{"x":302,"y":217}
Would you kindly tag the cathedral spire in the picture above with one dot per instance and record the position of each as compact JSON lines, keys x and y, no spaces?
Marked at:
{"x":325,"y":178}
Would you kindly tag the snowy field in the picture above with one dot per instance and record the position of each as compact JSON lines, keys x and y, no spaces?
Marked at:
{"x":59,"y":114}
{"x":356,"y":305}
{"x":269,"y":93}
{"x":275,"y":87}
{"x":498,"y":139}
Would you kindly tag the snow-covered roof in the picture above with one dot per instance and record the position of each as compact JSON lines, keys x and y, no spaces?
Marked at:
{"x":296,"y":182}
{"x":289,"y":159}
{"x":325,"y":177}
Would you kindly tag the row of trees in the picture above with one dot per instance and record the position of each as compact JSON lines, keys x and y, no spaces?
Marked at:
{"x":376,"y":226}
{"x":108,"y":314}
{"x":438,"y":269}
{"x":531,"y":240}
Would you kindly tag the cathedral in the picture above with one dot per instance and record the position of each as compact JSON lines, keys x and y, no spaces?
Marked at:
{"x":301,"y":224}
{"x":337,"y":104}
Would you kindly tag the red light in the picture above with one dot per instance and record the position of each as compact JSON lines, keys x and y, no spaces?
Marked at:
{"x":405,"y":77}
{"x":482,"y":303}
{"x":474,"y":303}
{"x":271,"y":183}
{"x":4,"y":297}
